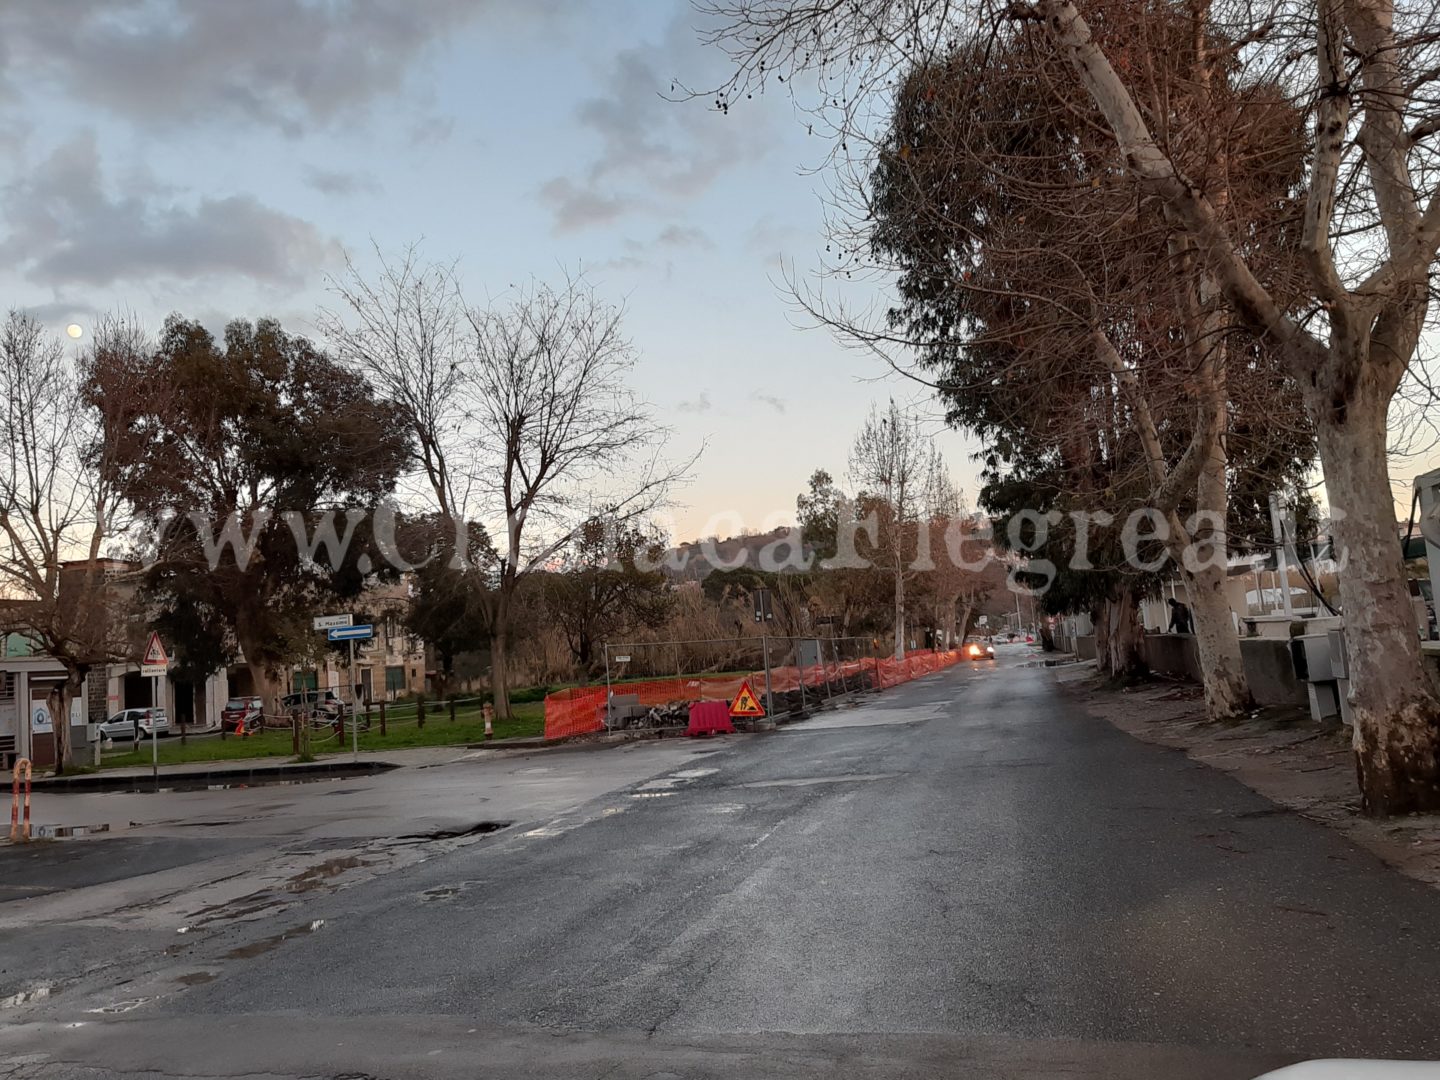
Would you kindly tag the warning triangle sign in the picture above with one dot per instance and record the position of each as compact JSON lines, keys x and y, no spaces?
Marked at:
{"x":155,"y":652}
{"x":746,"y":703}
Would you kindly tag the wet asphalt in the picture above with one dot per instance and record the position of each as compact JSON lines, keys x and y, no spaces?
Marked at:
{"x":969,"y":857}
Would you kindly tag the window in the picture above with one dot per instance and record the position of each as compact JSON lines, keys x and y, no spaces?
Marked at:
{"x":304,"y":680}
{"x":395,"y":678}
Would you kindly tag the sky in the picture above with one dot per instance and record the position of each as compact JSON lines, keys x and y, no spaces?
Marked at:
{"x":221,"y":159}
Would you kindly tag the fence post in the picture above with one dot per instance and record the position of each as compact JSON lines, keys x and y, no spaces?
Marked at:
{"x":382,"y":719}
{"x":452,"y":708}
{"x":799,"y":671}
{"x":769,"y":697}
{"x":367,"y":714}
{"x":608,"y":691}
{"x":420,"y":711}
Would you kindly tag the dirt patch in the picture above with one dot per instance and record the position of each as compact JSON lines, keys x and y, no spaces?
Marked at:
{"x":1279,"y":753}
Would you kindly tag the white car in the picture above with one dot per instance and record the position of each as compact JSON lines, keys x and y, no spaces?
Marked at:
{"x":135,"y":723}
{"x":1358,"y":1070}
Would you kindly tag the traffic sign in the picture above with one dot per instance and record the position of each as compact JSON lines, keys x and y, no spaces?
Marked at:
{"x":746,"y":703}
{"x":330,"y":622}
{"x":156,"y":661}
{"x":351,"y":633}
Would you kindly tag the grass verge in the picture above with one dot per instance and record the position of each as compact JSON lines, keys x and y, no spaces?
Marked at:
{"x":402,"y":732}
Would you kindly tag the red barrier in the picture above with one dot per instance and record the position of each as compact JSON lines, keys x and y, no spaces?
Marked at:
{"x":710,"y":718}
{"x":580,"y":710}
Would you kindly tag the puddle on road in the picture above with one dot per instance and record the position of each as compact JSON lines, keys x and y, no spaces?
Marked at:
{"x":265,"y":945}
{"x":196,"y":978}
{"x":315,"y":877}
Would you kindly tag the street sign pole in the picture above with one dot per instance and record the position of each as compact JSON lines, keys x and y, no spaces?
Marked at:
{"x":354,"y":713}
{"x":155,"y":727}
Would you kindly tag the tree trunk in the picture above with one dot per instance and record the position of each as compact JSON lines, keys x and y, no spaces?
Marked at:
{"x":1125,"y":633}
{"x":899,"y":608}
{"x":267,"y":687}
{"x":1100,"y":624}
{"x":499,"y":672}
{"x":1392,"y":693}
{"x":1227,"y":691}
{"x":1222,"y":670}
{"x":58,"y":703}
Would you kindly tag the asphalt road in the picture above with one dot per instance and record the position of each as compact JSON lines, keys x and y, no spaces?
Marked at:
{"x":962,"y":877}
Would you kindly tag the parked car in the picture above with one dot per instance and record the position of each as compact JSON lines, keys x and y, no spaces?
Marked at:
{"x":324,"y":704}
{"x":244,"y":713}
{"x":135,"y":723}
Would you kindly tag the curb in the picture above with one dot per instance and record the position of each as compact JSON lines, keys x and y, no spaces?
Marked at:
{"x":168,"y":779}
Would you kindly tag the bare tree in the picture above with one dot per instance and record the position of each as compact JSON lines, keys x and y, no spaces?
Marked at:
{"x":564,"y":439}
{"x":406,"y":332}
{"x":890,"y":462}
{"x":1369,"y":236}
{"x":58,"y":509}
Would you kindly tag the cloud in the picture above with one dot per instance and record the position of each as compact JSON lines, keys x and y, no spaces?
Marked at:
{"x":700,"y":404}
{"x":578,"y":207}
{"x":772,"y":238}
{"x":281,"y":63}
{"x":340,"y":184}
{"x":63,"y":227}
{"x":652,"y":149}
{"x":684,"y":236}
{"x":778,"y":404}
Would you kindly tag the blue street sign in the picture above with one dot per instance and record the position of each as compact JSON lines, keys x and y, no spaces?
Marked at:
{"x":351,"y":633}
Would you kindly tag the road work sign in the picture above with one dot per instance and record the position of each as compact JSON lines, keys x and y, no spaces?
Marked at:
{"x":746,"y":703}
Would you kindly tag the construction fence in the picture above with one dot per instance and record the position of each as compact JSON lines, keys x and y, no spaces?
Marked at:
{"x":653,"y":684}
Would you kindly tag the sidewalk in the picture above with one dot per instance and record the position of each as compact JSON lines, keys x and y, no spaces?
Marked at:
{"x":1280,"y":754}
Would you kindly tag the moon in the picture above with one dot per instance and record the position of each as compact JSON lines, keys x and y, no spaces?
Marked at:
{"x":75,"y":330}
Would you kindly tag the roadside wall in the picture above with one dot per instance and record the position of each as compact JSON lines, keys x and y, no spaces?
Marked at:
{"x":1271,"y":672}
{"x":1268,"y":666}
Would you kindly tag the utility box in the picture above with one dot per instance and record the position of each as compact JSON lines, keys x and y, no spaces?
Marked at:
{"x":1315,"y":665}
{"x":1340,"y":665}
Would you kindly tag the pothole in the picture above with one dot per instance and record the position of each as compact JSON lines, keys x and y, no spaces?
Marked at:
{"x":478,"y":829}
{"x":25,"y":997}
{"x":119,"y":1006}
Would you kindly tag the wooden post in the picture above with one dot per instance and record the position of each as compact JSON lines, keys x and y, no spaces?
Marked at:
{"x":382,"y":719}
{"x":420,"y":711}
{"x":452,"y":708}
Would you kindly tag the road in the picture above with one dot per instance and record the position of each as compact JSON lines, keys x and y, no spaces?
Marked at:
{"x":963,"y":877}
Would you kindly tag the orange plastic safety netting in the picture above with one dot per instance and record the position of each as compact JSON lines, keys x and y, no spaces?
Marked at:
{"x":580,"y":710}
